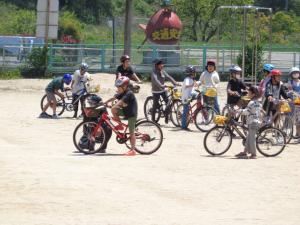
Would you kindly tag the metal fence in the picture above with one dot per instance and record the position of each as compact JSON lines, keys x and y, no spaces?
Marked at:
{"x":105,"y":58}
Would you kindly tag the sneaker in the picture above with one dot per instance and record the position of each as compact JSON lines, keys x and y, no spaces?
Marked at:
{"x":43,"y":115}
{"x":130,"y":153}
{"x":252,"y":156}
{"x":55,"y":116}
{"x":241,"y":155}
{"x":119,"y":127}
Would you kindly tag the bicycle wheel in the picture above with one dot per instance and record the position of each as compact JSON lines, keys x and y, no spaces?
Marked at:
{"x":179,"y":116}
{"x":218,"y":140}
{"x":148,"y":136}
{"x":270,"y":141}
{"x":148,"y":106}
{"x":204,"y":119}
{"x":60,"y":106}
{"x":285,"y":124}
{"x":88,"y":137}
{"x":173,"y":112}
{"x":225,"y":110}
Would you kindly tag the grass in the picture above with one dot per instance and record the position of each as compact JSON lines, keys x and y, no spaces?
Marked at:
{"x":10,"y":74}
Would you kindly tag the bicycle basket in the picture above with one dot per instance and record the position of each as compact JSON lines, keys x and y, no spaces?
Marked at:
{"x":211,"y":92}
{"x":176,"y":94}
{"x":285,"y":108}
{"x":220,"y":120}
{"x":94,"y":89}
{"x":297,"y":101}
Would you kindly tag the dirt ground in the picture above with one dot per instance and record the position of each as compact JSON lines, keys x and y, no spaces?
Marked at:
{"x":44,"y":181}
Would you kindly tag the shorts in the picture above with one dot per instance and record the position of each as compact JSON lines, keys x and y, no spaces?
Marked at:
{"x":131,"y":124}
{"x":50,"y":96}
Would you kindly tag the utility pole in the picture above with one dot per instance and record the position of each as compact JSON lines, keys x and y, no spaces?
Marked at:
{"x":286,"y":5}
{"x":128,"y":25}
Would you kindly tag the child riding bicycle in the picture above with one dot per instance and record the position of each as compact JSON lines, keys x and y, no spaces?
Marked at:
{"x":209,"y":80}
{"x":158,"y":77}
{"x":252,"y":111}
{"x":187,"y":93}
{"x":80,"y":79}
{"x":274,"y":91}
{"x":294,"y":87}
{"x":235,"y":86}
{"x":53,"y":88}
{"x":267,"y":68}
{"x":127,"y":103}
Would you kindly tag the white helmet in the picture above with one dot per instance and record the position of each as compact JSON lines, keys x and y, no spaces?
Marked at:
{"x":235,"y":68}
{"x":294,"y":69}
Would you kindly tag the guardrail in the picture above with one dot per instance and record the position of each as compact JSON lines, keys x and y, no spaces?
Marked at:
{"x":105,"y":58}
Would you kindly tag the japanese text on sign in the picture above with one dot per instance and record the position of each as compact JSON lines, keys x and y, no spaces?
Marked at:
{"x":166,"y":34}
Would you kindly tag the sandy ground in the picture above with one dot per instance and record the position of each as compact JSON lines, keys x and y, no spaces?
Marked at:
{"x":44,"y":181}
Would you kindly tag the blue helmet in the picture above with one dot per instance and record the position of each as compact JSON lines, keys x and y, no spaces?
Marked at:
{"x":268,"y":67}
{"x":67,"y":78}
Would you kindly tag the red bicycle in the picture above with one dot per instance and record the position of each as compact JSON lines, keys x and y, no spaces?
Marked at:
{"x":199,"y":114}
{"x":89,"y":137}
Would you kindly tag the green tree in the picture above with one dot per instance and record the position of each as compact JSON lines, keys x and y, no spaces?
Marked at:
{"x":200,"y":16}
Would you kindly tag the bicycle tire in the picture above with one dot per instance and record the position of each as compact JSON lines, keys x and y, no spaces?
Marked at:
{"x":87,"y":149}
{"x":206,"y":122}
{"x":60,"y":104}
{"x":270,"y":136}
{"x":210,"y":148}
{"x":148,"y":105}
{"x":143,"y":137}
{"x":179,"y":116}
{"x":173,"y":113}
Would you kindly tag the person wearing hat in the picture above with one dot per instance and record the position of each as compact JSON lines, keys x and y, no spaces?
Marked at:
{"x":235,"y":86}
{"x":210,"y":79}
{"x":125,"y":69}
{"x":274,"y":91}
{"x":252,"y":111}
{"x":294,"y":91}
{"x":158,"y":77}
{"x":267,"y":68}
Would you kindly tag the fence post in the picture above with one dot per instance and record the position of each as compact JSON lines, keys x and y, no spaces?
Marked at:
{"x":102,"y":58}
{"x":204,"y":57}
{"x":223,"y":61}
{"x":50,"y":61}
{"x":294,"y":61}
{"x":3,"y":56}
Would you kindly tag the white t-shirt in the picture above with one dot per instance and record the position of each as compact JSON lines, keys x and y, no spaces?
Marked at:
{"x":79,"y":81}
{"x":208,"y":80}
{"x":187,"y":91}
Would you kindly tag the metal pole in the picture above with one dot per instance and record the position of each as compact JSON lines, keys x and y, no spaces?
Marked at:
{"x":114,"y":39}
{"x":46,"y":35}
{"x":128,"y":25}
{"x":270,"y":32}
{"x":244,"y":45}
{"x":286,"y":5}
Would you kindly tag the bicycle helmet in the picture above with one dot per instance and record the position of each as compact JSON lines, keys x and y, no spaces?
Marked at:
{"x":124,"y":58}
{"x":268,"y":67}
{"x":276,"y":73}
{"x":294,"y":69}
{"x":121,"y":81}
{"x":235,"y":69}
{"x":84,"y":66}
{"x":190,"y":70}
{"x":67,"y":78}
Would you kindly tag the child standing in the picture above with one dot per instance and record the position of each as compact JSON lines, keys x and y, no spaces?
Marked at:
{"x":294,"y":86}
{"x":253,"y":121}
{"x":187,"y":89}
